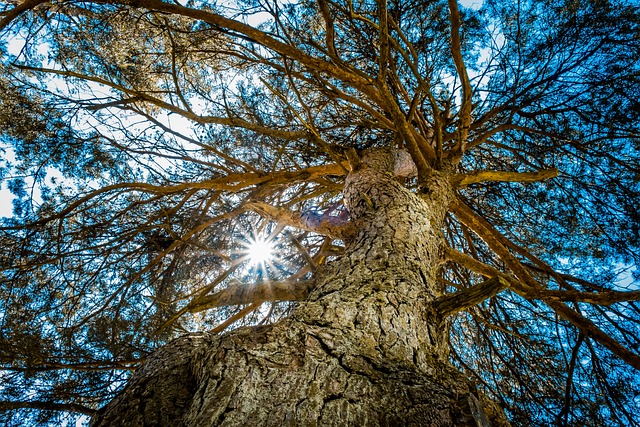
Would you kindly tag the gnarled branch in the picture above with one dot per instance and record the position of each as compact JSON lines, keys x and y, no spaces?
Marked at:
{"x":254,"y":293}
{"x":336,"y":229}
{"x":463,"y":180}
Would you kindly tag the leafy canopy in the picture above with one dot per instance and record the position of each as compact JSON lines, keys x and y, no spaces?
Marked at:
{"x":148,"y":143}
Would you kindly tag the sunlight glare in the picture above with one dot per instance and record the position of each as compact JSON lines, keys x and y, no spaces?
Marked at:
{"x":260,"y":251}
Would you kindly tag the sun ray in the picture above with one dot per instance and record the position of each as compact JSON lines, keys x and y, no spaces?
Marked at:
{"x":260,"y":251}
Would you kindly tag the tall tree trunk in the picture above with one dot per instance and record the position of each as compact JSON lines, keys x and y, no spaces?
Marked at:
{"x":365,"y":349}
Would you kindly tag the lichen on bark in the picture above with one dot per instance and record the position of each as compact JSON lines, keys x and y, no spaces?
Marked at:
{"x":366,"y":348}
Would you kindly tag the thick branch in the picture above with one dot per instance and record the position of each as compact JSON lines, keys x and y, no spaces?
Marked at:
{"x":116,"y":103}
{"x":255,"y":293}
{"x":20,"y":8}
{"x":231,"y":183}
{"x":330,"y":38}
{"x":383,"y":32}
{"x":407,"y":133}
{"x":604,"y":297}
{"x":503,"y":176}
{"x":456,"y":52}
{"x":470,"y":263}
{"x":530,"y":289}
{"x":454,"y":303}
{"x":336,"y":228}
{"x":600,"y":298}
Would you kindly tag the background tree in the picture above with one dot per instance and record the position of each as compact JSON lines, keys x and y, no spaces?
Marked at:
{"x":149,"y":143}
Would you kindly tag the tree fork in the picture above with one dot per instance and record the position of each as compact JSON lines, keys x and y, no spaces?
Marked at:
{"x":367,"y":347}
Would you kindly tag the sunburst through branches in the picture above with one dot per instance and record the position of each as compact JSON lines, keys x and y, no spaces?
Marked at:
{"x":259,"y":251}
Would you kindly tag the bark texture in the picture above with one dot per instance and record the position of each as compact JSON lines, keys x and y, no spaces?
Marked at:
{"x":367,"y":348}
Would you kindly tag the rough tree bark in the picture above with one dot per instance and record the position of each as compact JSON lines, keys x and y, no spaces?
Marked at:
{"x":367,"y":347}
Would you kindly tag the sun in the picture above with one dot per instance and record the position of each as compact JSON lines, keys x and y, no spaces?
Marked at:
{"x":259,"y":251}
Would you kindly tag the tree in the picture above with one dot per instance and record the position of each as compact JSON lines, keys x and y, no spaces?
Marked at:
{"x":485,"y":255}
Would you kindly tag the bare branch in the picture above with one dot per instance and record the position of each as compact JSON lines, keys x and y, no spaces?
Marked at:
{"x":408,"y":133}
{"x":116,"y":103}
{"x":46,"y":406}
{"x":239,"y":315}
{"x":119,"y":365}
{"x":561,"y":417}
{"x":463,"y":180}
